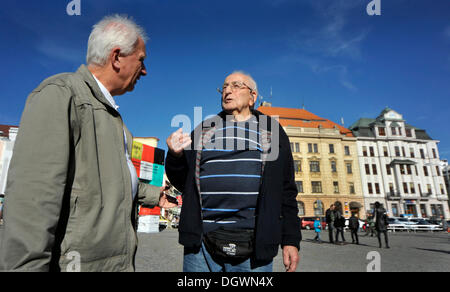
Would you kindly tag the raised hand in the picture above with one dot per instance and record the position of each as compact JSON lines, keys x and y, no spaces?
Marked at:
{"x":177,"y":141}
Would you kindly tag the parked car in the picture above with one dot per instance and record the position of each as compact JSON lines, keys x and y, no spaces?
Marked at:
{"x":308,"y":223}
{"x":395,"y":224}
{"x":424,"y":225}
{"x":412,"y":224}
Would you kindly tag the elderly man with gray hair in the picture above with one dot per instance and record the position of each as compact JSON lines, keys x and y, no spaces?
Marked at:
{"x":72,"y":190}
{"x":239,"y":200}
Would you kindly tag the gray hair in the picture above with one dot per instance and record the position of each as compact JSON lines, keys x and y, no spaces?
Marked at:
{"x":252,"y":83}
{"x":113,"y":31}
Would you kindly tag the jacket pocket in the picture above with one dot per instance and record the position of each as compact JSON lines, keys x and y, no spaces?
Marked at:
{"x":71,"y":237}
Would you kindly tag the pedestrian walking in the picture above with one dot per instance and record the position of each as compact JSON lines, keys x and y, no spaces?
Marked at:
{"x":353,"y":225}
{"x":444,"y":224}
{"x":330,"y":217}
{"x":381,"y":223}
{"x":318,"y":229}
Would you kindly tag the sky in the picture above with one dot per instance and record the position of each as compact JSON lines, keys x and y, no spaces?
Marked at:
{"x":328,"y":56}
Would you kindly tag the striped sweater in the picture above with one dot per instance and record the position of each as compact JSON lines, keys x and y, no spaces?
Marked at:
{"x":230,"y":175}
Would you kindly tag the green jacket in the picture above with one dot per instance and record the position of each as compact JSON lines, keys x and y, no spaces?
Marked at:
{"x":68,"y":194}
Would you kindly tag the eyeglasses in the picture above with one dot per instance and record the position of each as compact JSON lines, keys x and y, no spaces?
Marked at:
{"x":235,"y":85}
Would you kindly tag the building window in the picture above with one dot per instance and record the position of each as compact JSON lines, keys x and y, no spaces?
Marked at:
{"x":301,"y":208}
{"x":365,"y":151}
{"x":377,"y":188}
{"x":408,"y":169}
{"x":381,"y":131}
{"x":316,"y":186}
{"x":395,"y":210}
{"x":374,"y":169}
{"x":318,"y":208}
{"x":351,"y":187}
{"x":292,"y":147}
{"x":297,"y":147}
{"x":425,"y":171}
{"x":405,"y":188}
{"x":438,"y":171}
{"x":367,"y":166}
{"x":299,"y":185}
{"x":391,"y":188}
{"x":412,"y":188}
{"x":442,"y":189}
{"x":297,"y":165}
{"x":314,"y":166}
{"x":430,"y":191}
{"x":372,"y":151}
{"x":388,"y":169}
{"x":403,"y":151}
{"x":336,"y":187}
{"x":331,"y":146}
{"x":346,"y":150}
{"x":369,"y":187}
{"x":434,"y":153}
{"x":411,"y":152}
{"x":408,"y":132}
{"x":349,"y":168}
{"x":422,"y":153}
{"x":393,"y":131}
{"x":397,"y":151}
{"x":385,"y":150}
{"x":423,"y":210}
{"x":333,"y":166}
{"x":402,"y":169}
{"x":312,"y":148}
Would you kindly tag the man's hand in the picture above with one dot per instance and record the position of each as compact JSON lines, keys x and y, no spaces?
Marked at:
{"x":290,"y":258}
{"x":164,"y":201}
{"x":177,"y":142}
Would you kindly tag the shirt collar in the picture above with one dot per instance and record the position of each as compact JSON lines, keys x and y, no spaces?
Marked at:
{"x":106,"y":93}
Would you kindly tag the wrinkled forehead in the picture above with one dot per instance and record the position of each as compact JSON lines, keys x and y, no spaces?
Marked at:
{"x":236,"y":77}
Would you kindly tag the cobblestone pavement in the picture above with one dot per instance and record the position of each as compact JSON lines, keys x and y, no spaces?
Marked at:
{"x":409,"y":252}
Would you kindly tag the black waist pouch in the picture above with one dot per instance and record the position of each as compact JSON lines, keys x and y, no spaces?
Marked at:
{"x":232,"y":244}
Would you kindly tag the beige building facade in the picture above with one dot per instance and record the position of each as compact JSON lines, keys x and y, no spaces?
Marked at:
{"x":325,"y":161}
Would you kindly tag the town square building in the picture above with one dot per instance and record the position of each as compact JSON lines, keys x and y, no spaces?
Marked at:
{"x":325,"y":161}
{"x":400,"y":167}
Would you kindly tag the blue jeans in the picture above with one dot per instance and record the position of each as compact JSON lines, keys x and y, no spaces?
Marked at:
{"x":199,"y":260}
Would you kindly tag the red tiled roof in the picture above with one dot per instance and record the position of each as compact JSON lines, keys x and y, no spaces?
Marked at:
{"x":5,"y":130}
{"x":301,"y":118}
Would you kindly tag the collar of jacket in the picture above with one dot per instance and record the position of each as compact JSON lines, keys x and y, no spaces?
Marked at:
{"x":88,"y":78}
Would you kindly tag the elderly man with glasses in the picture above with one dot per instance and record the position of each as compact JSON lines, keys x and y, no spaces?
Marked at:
{"x":239,"y":200}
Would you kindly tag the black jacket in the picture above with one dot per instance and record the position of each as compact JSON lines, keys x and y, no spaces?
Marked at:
{"x":277,"y":219}
{"x":353,"y":223}
{"x":381,"y":219}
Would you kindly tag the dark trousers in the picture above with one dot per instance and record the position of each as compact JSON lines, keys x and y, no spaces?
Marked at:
{"x":330,"y":233}
{"x":385,"y":237}
{"x":340,"y":230}
{"x":355,"y":236}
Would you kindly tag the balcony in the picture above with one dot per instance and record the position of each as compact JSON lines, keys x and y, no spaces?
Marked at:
{"x":395,"y":196}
